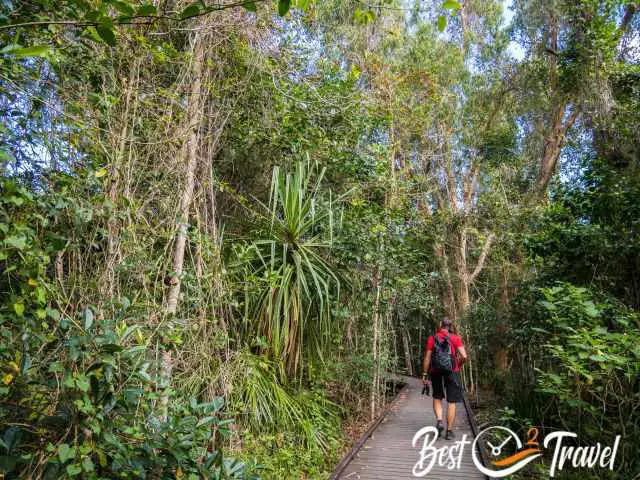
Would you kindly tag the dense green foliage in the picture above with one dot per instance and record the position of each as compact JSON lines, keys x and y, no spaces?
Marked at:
{"x":222,"y":225}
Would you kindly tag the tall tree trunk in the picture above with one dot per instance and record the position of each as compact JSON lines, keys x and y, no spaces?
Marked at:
{"x":465,"y":281}
{"x":554,"y":141}
{"x":189,"y":157}
{"x":553,"y":144}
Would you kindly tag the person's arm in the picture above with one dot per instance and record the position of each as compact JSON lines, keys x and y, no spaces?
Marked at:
{"x":427,"y":361}
{"x":425,"y":364}
{"x":462,"y":354}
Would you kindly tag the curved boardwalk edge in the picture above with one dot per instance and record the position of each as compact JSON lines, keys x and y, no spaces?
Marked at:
{"x":385,"y":452}
{"x":365,"y":436}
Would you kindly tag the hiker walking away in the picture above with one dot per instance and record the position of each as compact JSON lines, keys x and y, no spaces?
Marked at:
{"x":441,"y":367}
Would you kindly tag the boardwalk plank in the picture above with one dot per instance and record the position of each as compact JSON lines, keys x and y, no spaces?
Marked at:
{"x":388,"y":454}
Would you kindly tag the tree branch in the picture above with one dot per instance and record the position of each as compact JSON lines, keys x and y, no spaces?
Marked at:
{"x":629,"y":12}
{"x":130,"y":20}
{"x":483,"y":256}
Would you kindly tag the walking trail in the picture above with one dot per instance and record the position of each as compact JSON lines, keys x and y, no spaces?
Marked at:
{"x":388,"y":453}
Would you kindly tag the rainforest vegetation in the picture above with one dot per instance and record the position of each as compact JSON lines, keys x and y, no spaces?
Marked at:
{"x":224,"y":225}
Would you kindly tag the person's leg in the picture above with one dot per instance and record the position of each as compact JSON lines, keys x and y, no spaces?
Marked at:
{"x":437,"y":384}
{"x":451,"y":415}
{"x":437,"y":408}
{"x":453,"y":385}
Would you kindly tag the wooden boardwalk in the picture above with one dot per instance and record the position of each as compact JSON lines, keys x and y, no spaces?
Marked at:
{"x":388,"y":453}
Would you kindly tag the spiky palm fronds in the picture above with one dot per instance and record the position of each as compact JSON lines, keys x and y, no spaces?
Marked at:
{"x":293,"y":308}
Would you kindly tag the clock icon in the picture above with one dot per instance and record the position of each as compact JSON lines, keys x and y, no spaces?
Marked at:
{"x":505,"y":451}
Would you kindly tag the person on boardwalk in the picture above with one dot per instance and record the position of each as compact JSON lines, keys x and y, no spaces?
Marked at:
{"x":443,"y":358}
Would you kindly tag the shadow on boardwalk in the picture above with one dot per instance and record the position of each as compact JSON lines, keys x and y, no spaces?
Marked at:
{"x":388,"y":454}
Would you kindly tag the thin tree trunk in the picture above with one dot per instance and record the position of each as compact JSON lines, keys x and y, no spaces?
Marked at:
{"x":189,"y":156}
{"x":376,"y":334}
{"x":463,"y":274}
{"x":407,"y":351}
{"x":501,"y":360}
{"x":113,"y":228}
{"x":450,"y":299}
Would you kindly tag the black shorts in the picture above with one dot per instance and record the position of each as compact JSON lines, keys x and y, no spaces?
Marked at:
{"x":450,"y":383}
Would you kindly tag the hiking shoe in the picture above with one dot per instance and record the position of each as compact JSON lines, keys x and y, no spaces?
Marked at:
{"x":450,"y":435}
{"x":440,"y":427}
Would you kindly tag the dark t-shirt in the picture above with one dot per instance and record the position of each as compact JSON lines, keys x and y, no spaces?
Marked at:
{"x":454,"y":340}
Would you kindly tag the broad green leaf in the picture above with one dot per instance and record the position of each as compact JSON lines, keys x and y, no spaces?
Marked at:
{"x":191,"y":11}
{"x":82,"y":382}
{"x":65,"y":452}
{"x":442,"y":23}
{"x":87,"y":464}
{"x":41,"y":294}
{"x":590,"y":309}
{"x":283,"y":7}
{"x":107,"y":35}
{"x":451,"y":5}
{"x":18,"y":241}
{"x":35,"y":51}
{"x":123,"y":7}
{"x":56,"y":367}
{"x":73,"y":469}
{"x":303,"y":4}
{"x":146,"y":10}
{"x":251,"y":6}
{"x":101,"y":173}
{"x":19,"y":309}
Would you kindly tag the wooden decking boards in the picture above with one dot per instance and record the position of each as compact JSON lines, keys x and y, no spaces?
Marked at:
{"x":388,"y":453}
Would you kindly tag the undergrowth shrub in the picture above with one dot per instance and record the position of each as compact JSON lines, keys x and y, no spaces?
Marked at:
{"x":582,"y":355}
{"x":78,"y":393}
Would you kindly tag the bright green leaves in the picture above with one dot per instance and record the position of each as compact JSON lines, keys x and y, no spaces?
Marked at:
{"x":197,"y":8}
{"x":250,"y":6}
{"x":190,"y":11}
{"x":18,"y":308}
{"x":18,"y":241}
{"x":123,"y":7}
{"x":106,"y":34}
{"x":66,"y":453}
{"x":451,"y":5}
{"x":294,"y":284}
{"x":283,"y":7}
{"x":303,"y":4}
{"x":19,"y":51}
{"x":99,"y":21}
{"x":146,"y":10}
{"x":363,"y":16}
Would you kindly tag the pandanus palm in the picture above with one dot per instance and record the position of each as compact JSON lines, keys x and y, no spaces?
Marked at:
{"x":292,"y":309}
